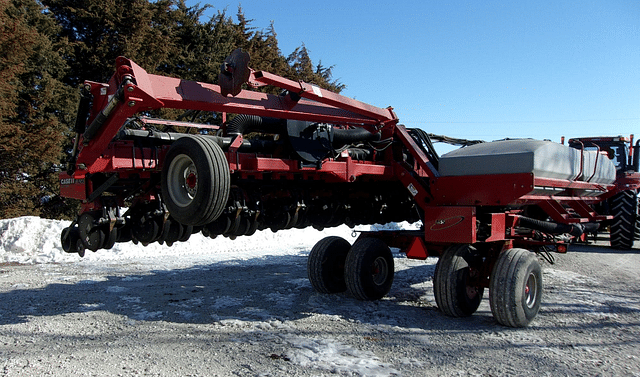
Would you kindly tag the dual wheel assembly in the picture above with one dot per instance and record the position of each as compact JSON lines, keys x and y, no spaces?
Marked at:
{"x":366,"y":271}
{"x":515,"y":284}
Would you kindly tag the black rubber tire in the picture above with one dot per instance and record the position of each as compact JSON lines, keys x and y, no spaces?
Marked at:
{"x":369,"y":269}
{"x":325,"y":265}
{"x":623,"y":226}
{"x":515,"y":288}
{"x":636,"y":229}
{"x":195,"y":180}
{"x":451,"y":281}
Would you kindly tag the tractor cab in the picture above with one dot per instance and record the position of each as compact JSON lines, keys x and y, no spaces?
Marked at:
{"x":618,"y":148}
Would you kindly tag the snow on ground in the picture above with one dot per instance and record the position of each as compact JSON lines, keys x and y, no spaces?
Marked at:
{"x":31,"y":240}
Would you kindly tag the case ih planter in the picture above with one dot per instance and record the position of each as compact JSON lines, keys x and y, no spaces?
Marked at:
{"x":310,"y":157}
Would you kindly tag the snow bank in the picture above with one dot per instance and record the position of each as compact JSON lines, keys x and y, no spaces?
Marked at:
{"x":29,"y":240}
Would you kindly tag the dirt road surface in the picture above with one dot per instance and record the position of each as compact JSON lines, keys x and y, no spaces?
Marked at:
{"x":262,"y":318}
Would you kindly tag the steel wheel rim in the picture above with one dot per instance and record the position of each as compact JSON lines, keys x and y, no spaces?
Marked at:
{"x":380,"y":271}
{"x":531,"y":291}
{"x":182,"y":180}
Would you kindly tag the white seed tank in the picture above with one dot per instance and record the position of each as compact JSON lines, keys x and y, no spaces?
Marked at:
{"x":544,"y":159}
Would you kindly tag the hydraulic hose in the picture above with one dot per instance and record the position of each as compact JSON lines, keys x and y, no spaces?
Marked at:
{"x":575,"y":230}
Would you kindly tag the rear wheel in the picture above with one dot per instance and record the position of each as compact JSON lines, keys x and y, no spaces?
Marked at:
{"x":325,"y":265}
{"x":369,"y":269}
{"x":456,"y":282}
{"x":195,"y":180}
{"x":515,"y":288}
{"x":623,"y":227}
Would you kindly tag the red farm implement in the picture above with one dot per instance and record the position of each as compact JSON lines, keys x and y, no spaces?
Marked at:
{"x":310,"y":157}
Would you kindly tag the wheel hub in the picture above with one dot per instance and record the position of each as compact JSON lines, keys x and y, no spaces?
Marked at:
{"x":191,"y":181}
{"x":380,"y":271}
{"x":182,"y":180}
{"x":531,"y":291}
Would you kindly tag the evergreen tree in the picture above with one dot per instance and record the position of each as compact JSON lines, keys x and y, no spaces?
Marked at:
{"x":35,"y":106}
{"x":99,"y":31}
{"x":49,"y":47}
{"x":302,"y":69}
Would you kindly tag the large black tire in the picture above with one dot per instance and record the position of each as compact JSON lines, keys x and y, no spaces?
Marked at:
{"x":369,"y":269}
{"x":325,"y":265}
{"x":456,"y":291}
{"x":195,"y":180}
{"x":636,"y":229}
{"x":515,"y":288}
{"x":623,"y":226}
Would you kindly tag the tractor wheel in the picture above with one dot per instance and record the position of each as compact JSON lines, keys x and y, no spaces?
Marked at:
{"x":515,"y":288}
{"x":195,"y":180}
{"x":456,"y":281}
{"x":623,"y":227}
{"x":369,"y":269}
{"x":636,"y":229}
{"x":325,"y":265}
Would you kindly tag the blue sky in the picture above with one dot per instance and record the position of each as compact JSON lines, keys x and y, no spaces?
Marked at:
{"x":474,"y":69}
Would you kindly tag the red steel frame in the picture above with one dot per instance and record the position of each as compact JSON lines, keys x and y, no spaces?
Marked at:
{"x":450,"y":204}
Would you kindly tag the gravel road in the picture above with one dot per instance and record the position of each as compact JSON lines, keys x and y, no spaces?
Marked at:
{"x":262,"y":318}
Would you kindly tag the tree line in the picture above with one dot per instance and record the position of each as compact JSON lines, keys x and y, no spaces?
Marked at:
{"x":49,"y":47}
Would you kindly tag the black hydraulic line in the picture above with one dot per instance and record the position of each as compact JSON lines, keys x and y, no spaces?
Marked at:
{"x":359,"y":153}
{"x":591,"y":227}
{"x":424,"y":141}
{"x":453,"y":140}
{"x":84,"y":107}
{"x":575,"y":230}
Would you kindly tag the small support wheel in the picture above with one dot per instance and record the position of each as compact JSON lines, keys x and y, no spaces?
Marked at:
{"x":515,"y":288}
{"x":456,"y":282}
{"x":325,"y":266}
{"x":195,"y":180}
{"x":369,"y":269}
